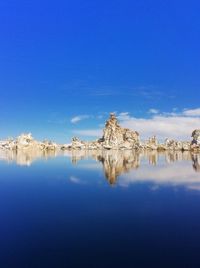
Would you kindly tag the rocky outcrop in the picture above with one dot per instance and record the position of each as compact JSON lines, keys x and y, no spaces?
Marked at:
{"x":173,"y":145}
{"x":196,"y":137}
{"x":168,"y":145}
{"x":9,"y":144}
{"x":195,"y":144}
{"x":151,"y":144}
{"x":114,"y":137}
{"x":78,"y":144}
{"x":27,"y":142}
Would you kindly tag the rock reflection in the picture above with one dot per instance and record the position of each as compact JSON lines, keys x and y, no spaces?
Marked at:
{"x":116,"y":163}
{"x":196,"y":162}
{"x":25,"y":157}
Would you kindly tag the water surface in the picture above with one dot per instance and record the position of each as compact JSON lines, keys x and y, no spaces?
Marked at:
{"x":99,"y":209}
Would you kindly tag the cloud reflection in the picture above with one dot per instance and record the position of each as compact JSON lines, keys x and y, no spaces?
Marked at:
{"x":125,"y":168}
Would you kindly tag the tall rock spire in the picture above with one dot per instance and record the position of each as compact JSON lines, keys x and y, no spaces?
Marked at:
{"x":115,"y":137}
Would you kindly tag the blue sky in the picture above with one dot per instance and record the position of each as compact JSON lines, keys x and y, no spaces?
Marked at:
{"x":61,"y":60}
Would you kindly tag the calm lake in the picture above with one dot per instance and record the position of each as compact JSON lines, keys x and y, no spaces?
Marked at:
{"x":99,"y":209}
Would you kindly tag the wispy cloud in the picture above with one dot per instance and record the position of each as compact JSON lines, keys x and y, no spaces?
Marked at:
{"x":176,"y":125}
{"x":192,"y":112}
{"x":79,"y":118}
{"x":172,"y":125}
{"x":153,"y":111}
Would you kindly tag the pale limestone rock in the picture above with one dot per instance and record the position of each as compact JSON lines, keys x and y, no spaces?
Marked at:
{"x":27,"y":142}
{"x":116,"y":137}
{"x":49,"y":145}
{"x":78,"y":144}
{"x":195,"y":144}
{"x":9,"y":144}
{"x":173,"y":145}
{"x":64,"y":147}
{"x":152,"y":143}
{"x":196,"y":136}
{"x":186,"y":146}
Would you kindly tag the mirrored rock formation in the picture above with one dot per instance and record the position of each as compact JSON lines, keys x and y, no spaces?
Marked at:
{"x":196,"y":162}
{"x":25,"y":157}
{"x":115,"y":163}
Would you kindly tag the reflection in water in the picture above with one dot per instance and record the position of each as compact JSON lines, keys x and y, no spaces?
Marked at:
{"x":26,"y":157}
{"x":58,"y":206}
{"x":116,"y":163}
{"x":121,"y":163}
{"x":196,"y":162}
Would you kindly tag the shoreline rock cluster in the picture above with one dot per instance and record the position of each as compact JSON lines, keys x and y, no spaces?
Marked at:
{"x":117,"y":138}
{"x":114,"y":137}
{"x":27,"y":142}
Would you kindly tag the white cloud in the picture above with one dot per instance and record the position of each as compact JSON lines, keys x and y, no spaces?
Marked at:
{"x":153,"y":111}
{"x":174,"y":125}
{"x":192,"y":112}
{"x":78,"y":118}
{"x":171,"y":125}
{"x":123,"y":116}
{"x":163,"y":126}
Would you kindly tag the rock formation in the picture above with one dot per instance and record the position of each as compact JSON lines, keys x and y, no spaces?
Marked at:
{"x":152,"y":143}
{"x":27,"y":142}
{"x":195,"y":144}
{"x":114,"y":137}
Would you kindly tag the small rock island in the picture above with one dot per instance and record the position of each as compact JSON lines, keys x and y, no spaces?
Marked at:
{"x":114,"y":137}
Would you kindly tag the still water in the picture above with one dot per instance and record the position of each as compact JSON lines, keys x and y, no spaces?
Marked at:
{"x":99,"y":209}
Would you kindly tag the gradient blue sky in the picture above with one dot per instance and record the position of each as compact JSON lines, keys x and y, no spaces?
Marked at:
{"x":63,"y":59}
